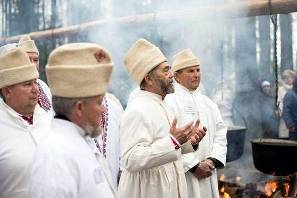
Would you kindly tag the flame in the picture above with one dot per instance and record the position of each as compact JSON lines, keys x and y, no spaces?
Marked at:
{"x":223,"y":194}
{"x":270,"y":187}
{"x":222,"y":177}
{"x":237,"y":179}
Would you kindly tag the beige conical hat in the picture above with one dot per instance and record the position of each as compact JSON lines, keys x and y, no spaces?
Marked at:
{"x":141,"y":58}
{"x":15,"y":67}
{"x":184,"y":59}
{"x":27,"y":44}
{"x":79,"y":70}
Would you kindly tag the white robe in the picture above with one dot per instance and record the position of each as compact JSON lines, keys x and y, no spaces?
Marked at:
{"x":189,"y":106}
{"x":109,"y":139}
{"x":68,"y":165}
{"x":151,"y":166}
{"x":18,"y":142}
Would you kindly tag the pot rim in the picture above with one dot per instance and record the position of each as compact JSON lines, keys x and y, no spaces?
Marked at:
{"x":274,"y":142}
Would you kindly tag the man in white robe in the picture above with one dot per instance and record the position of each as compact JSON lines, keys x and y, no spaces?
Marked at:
{"x":45,"y":96}
{"x":150,"y":141}
{"x":108,"y":142}
{"x":23,"y":124}
{"x":189,"y":104}
{"x":68,"y":164}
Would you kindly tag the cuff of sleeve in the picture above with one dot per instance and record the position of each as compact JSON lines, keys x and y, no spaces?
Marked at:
{"x":175,"y":142}
{"x":216,"y":162}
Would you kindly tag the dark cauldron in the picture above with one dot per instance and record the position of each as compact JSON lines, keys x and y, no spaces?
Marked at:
{"x":235,"y":139}
{"x":275,"y":156}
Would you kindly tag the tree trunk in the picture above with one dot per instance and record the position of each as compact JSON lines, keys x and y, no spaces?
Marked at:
{"x":286,"y":42}
{"x":265,"y":47}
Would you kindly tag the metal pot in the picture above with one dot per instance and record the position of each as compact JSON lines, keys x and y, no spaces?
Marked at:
{"x":235,"y":139}
{"x":275,"y":156}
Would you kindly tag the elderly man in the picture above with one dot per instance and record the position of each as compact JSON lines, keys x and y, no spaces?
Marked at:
{"x":45,"y":96}
{"x":190,"y":104}
{"x":68,"y":164}
{"x":150,"y":141}
{"x":23,"y":123}
{"x":108,"y":142}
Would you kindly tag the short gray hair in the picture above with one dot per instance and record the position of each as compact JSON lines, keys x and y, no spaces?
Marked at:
{"x":63,"y":106}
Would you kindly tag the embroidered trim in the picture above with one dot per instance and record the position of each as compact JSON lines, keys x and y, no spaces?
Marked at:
{"x":43,"y":101}
{"x":104,"y":125}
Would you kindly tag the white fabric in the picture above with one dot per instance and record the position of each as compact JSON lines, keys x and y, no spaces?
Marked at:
{"x":151,"y":166}
{"x":68,"y":165}
{"x":189,"y":106}
{"x":17,"y":147}
{"x":282,"y":90}
{"x":112,"y":142}
{"x":51,"y":113}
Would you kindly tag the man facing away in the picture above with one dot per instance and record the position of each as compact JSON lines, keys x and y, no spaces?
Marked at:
{"x":150,"y":141}
{"x":23,"y":123}
{"x":45,"y":96}
{"x":68,"y":164}
{"x":189,"y":104}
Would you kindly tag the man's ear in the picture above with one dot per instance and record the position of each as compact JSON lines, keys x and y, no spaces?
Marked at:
{"x":78,"y":108}
{"x":176,"y":77}
{"x":6,"y":92}
{"x":148,"y":80}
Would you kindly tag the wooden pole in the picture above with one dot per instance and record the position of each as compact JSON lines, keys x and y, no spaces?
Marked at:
{"x":231,"y":10}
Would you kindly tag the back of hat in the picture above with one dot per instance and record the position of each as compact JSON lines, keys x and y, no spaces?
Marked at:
{"x":79,"y":70}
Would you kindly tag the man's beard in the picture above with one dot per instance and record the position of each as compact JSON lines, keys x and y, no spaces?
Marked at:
{"x":166,"y":87}
{"x":92,"y":131}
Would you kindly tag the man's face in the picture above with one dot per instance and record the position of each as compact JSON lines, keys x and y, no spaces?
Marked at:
{"x":162,"y":77}
{"x":22,"y":97}
{"x":34,"y":59}
{"x":189,"y":77}
{"x":92,"y":114}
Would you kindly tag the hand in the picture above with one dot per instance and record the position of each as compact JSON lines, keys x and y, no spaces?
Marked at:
{"x":198,"y":132}
{"x":203,"y":170}
{"x":181,"y":134}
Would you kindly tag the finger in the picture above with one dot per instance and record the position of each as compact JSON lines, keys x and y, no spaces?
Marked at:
{"x":197,"y":123}
{"x":204,"y":128}
{"x":173,"y":125}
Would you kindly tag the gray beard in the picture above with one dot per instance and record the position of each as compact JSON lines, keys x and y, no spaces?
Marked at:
{"x":92,"y":131}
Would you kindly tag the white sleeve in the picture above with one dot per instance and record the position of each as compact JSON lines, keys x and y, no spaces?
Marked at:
{"x":219,"y":150}
{"x":53,"y":175}
{"x":139,"y":150}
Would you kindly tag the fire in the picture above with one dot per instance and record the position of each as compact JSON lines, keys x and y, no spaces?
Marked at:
{"x":222,"y":177}
{"x":270,"y":187}
{"x":223,"y":194}
{"x":237,"y":179}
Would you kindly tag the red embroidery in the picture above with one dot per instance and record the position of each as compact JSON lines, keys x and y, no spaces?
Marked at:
{"x":28,"y":119}
{"x":43,"y":101}
{"x":104,"y":125}
{"x":100,"y":56}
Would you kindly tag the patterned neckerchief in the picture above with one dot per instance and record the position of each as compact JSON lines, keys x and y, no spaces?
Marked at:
{"x":28,"y":119}
{"x":43,"y":101}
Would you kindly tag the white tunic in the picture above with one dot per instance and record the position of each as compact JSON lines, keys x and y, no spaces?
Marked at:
{"x":151,"y":166}
{"x":109,"y":139}
{"x":68,"y":165}
{"x":189,"y":106}
{"x":18,"y":142}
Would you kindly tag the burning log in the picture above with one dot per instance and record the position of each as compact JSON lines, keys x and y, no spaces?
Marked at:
{"x":235,"y":9}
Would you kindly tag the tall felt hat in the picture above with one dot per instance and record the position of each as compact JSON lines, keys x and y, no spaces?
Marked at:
{"x":184,"y":59}
{"x":79,"y":70}
{"x":27,"y":44}
{"x":141,"y":58}
{"x":15,"y":67}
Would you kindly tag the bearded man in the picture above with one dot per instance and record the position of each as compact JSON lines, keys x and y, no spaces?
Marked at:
{"x":150,"y":141}
{"x":68,"y":164}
